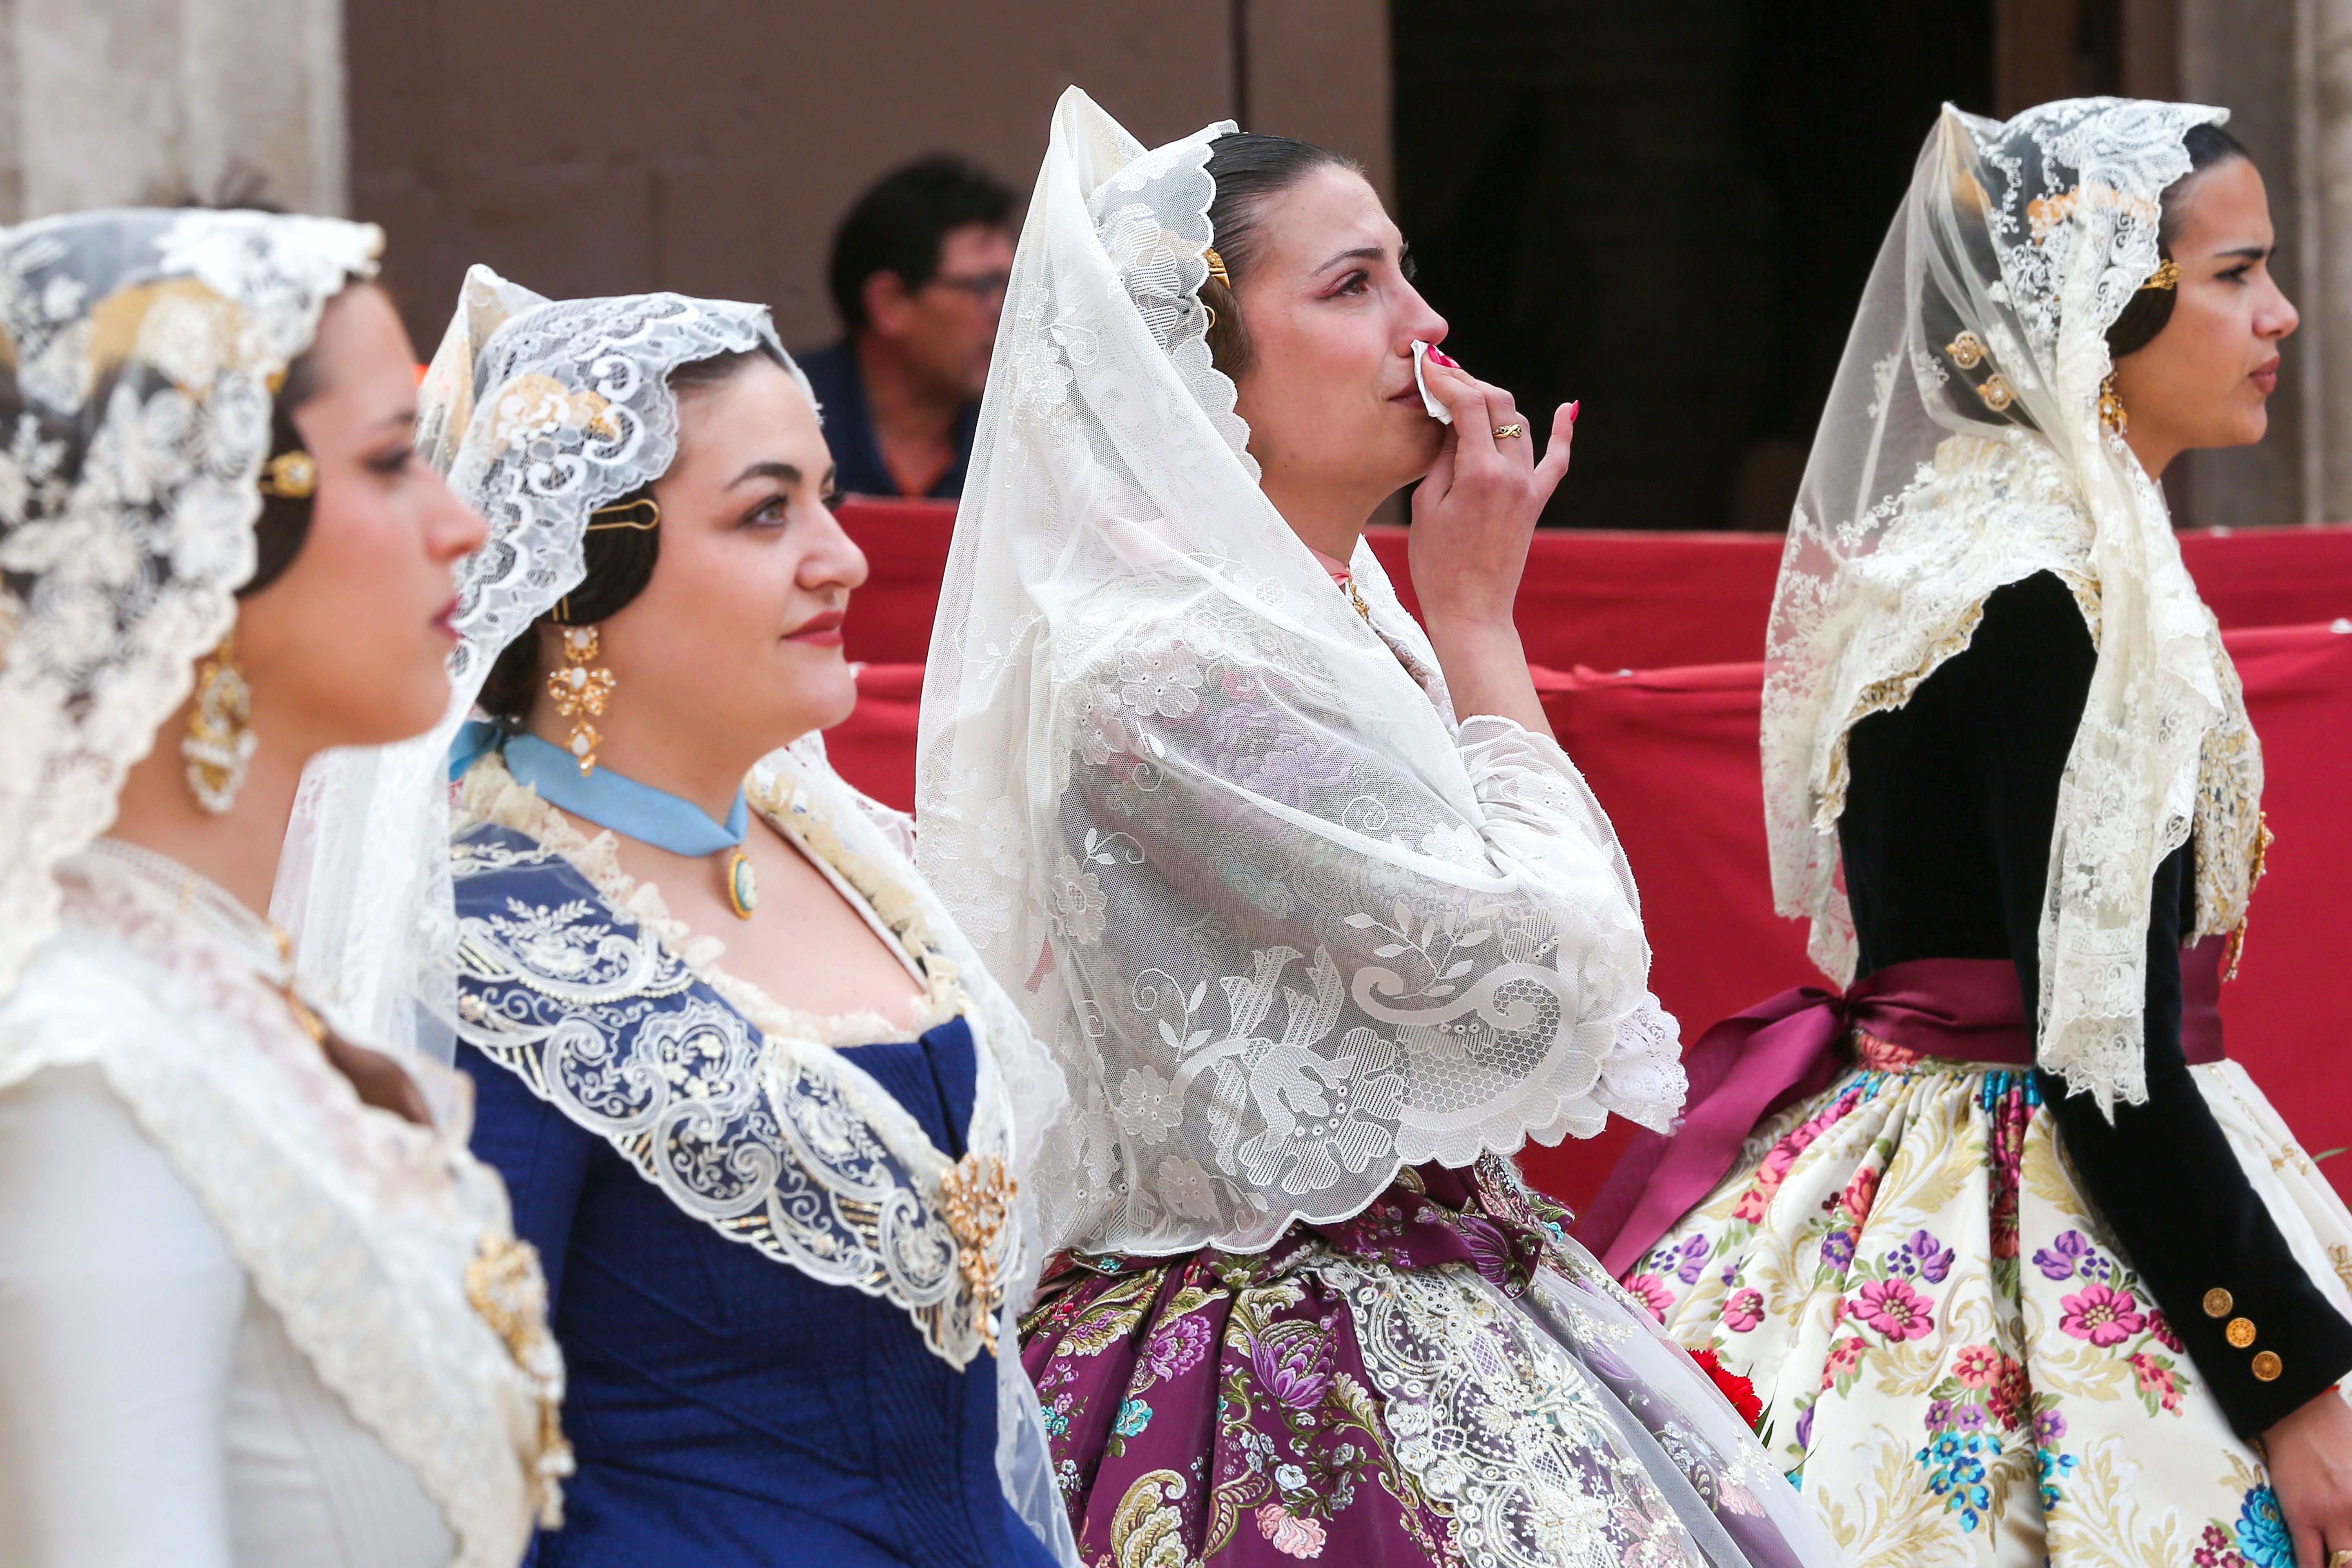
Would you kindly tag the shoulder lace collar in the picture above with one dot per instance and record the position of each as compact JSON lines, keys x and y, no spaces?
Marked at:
{"x":489,"y":793}
{"x":386,"y":1247}
{"x":738,"y":1108}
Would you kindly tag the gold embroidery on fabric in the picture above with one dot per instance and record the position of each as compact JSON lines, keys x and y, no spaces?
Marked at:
{"x":508,"y":1290}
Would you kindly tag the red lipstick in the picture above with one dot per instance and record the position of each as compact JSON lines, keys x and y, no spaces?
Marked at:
{"x":820,"y":630}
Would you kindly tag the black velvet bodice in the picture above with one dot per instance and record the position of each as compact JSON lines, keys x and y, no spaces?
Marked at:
{"x":1945,"y":838}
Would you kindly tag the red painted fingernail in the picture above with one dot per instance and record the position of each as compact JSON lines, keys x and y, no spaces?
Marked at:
{"x":1447,"y":359}
{"x":1573,"y":408}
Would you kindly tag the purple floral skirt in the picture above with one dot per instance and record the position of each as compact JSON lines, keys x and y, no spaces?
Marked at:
{"x":1444,"y":1379}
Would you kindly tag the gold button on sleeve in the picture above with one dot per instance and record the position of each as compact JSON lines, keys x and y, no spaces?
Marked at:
{"x":2267,"y":1366}
{"x":2217,"y":1302}
{"x":2240,"y":1332}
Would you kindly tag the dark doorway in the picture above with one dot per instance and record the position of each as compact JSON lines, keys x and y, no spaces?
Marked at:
{"x":1668,"y":211}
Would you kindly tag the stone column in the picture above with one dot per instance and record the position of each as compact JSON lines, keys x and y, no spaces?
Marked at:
{"x":2248,"y":55}
{"x":2323,"y":109}
{"x":109,"y":102}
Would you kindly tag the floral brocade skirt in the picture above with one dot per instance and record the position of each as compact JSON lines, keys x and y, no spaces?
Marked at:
{"x":1957,"y":1365}
{"x":1444,"y":1379}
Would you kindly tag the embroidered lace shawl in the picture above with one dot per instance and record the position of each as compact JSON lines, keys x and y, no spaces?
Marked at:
{"x":1286,"y":926}
{"x":736,"y":1106}
{"x":1962,"y":449}
{"x":358,"y":1228}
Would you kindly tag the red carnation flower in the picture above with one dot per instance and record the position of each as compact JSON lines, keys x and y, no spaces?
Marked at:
{"x":1736,"y":1388}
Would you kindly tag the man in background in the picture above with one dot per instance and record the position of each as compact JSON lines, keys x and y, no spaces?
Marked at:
{"x":918,"y":275}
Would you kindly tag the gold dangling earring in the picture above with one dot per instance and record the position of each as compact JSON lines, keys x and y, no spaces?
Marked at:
{"x":218,"y":747}
{"x":578,"y":690}
{"x":2112,"y":413}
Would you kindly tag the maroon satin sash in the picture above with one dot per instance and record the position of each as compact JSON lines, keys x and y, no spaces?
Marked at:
{"x":1779,"y":1051}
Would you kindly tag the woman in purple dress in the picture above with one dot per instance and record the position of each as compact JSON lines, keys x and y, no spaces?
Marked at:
{"x":1315,"y":955}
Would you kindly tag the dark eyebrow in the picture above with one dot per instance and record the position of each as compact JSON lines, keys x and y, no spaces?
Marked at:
{"x":768,"y":468}
{"x":2251,"y":252}
{"x":1361,"y":253}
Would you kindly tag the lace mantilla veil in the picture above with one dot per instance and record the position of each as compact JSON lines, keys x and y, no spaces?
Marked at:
{"x":141,"y":345}
{"x":1961,"y":450}
{"x":1286,"y":929}
{"x":539,"y":412}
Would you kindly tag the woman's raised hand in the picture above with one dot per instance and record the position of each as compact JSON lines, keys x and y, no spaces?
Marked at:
{"x":1472,"y":520}
{"x":1473,"y":515}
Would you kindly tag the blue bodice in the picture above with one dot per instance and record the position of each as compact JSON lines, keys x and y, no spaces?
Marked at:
{"x":726,"y":1405}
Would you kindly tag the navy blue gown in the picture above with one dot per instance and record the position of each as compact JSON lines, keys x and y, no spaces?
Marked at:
{"x":726,"y":1408}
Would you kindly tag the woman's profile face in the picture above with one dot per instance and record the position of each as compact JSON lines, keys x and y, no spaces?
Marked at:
{"x":1330,"y":393}
{"x":738,"y":631}
{"x":348,"y":646}
{"x":2205,"y":380}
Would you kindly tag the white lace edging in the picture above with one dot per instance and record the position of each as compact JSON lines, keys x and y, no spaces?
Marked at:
{"x":357,"y":1228}
{"x":807,"y":1158}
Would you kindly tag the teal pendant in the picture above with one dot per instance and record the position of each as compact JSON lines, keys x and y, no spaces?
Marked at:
{"x":742,"y":888}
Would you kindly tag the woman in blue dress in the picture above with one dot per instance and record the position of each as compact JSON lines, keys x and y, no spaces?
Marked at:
{"x":760,"y":1110}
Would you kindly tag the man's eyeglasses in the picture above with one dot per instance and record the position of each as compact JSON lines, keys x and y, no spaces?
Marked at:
{"x":983,"y":287}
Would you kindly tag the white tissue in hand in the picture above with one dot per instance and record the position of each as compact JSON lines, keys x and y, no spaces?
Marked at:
{"x":1437,"y":411}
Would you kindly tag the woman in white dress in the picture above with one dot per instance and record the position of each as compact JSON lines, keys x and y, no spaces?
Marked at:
{"x":257,"y":1305}
{"x":1315,"y":956}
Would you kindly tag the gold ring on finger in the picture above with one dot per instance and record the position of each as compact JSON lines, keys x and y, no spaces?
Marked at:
{"x":1511,"y":432}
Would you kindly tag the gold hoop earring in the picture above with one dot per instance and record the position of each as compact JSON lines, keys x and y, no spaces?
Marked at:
{"x":579,"y":689}
{"x":217,"y":749}
{"x":2112,"y":413}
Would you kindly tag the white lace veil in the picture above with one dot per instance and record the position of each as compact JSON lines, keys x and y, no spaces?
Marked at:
{"x":1198,"y":811}
{"x":539,"y":412}
{"x":135,"y":381}
{"x":1962,"y":449}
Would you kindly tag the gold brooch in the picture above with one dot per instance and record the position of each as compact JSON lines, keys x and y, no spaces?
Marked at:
{"x":1968,"y":351}
{"x":976,"y":1199}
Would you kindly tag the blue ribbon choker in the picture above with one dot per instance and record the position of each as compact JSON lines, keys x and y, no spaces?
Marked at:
{"x":613,"y":800}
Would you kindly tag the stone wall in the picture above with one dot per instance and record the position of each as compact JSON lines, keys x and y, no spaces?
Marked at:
{"x":711,"y":146}
{"x":107,"y":102}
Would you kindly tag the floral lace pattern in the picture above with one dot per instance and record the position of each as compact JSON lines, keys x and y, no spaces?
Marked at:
{"x":355,"y":1226}
{"x":1963,"y":450}
{"x":1958,"y":1364}
{"x":143,"y":345}
{"x":735,"y":1105}
{"x":1288,"y":928}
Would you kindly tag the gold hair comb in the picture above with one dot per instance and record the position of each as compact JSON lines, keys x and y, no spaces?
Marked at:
{"x":1217,"y":265}
{"x":290,"y":476}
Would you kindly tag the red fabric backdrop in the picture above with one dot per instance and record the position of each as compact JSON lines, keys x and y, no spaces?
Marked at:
{"x":1672,"y":753}
{"x":1620,"y":601}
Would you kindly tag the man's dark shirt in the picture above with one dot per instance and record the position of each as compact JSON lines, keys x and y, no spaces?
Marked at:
{"x":849,"y":426}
